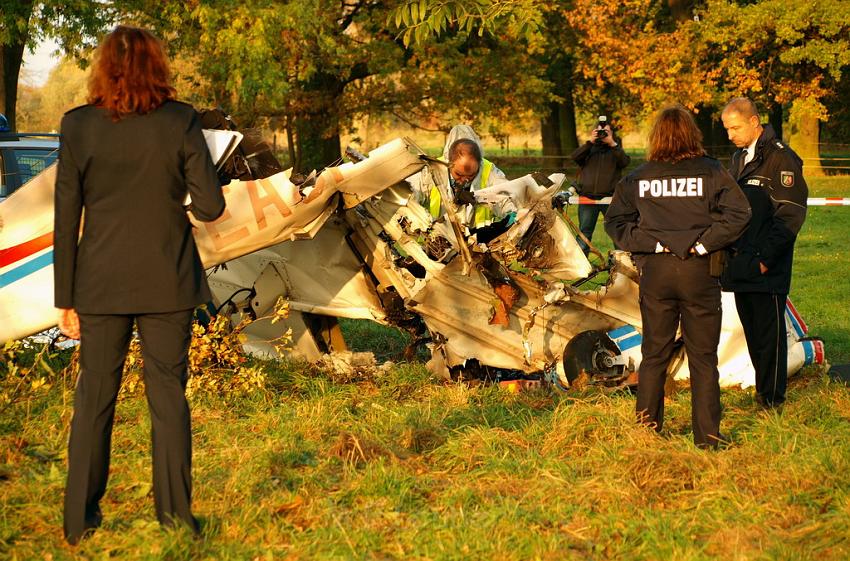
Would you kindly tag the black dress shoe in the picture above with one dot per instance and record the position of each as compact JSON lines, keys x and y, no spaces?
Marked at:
{"x":769,"y":405}
{"x":88,"y":530}
{"x":173,"y":522}
{"x":93,"y":521}
{"x":720,"y":441}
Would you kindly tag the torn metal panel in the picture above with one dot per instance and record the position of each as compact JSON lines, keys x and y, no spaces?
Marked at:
{"x":521,"y":193}
{"x":619,"y":297}
{"x":321,"y":276}
{"x":544,"y":244}
{"x":268,"y":211}
{"x":259,"y":337}
{"x":458,"y":308}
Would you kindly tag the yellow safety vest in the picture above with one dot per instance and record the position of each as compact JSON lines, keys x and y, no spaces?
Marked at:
{"x":483,"y":214}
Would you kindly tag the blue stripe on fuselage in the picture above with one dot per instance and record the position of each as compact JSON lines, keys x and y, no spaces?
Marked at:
{"x":26,"y":269}
{"x":629,"y":342}
{"x":620,"y":331}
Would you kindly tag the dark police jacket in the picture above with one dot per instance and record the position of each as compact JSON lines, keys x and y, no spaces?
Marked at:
{"x":773,"y":182}
{"x":677,"y":205}
{"x":601,"y":168}
{"x":130,"y":178}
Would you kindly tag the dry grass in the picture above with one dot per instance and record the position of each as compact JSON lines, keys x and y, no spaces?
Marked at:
{"x":350,"y":470}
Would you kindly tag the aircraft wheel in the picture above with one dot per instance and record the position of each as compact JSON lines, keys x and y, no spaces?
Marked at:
{"x":591,"y":355}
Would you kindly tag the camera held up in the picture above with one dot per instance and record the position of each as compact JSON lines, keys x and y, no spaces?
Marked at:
{"x":600,"y":129}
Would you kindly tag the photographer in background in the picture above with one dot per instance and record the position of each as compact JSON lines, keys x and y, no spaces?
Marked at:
{"x":601,"y":160}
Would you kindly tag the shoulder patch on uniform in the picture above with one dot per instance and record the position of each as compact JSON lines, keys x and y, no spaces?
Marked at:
{"x":787,"y":178}
{"x":779,"y":145}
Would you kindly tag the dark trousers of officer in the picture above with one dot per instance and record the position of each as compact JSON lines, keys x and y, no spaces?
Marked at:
{"x":105,"y":340}
{"x":587,"y":217}
{"x":763,"y":318}
{"x":674,"y":290}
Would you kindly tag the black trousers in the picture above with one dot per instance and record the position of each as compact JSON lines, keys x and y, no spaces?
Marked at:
{"x":673,"y":290}
{"x":763,"y":318}
{"x":105,"y":339}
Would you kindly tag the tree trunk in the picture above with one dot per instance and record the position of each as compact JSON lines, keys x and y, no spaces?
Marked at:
{"x":558,"y":127}
{"x":567,"y":122}
{"x":290,"y":142}
{"x":550,"y":135}
{"x":775,"y":119}
{"x":11,"y":57}
{"x":713,"y":134}
{"x":317,"y":132}
{"x":316,"y":148}
{"x":681,"y":10}
{"x":803,"y":136}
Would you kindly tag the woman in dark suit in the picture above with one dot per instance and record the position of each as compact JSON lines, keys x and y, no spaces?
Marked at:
{"x":126,"y":162}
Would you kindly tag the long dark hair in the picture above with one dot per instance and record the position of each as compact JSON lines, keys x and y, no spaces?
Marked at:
{"x":130,"y":73}
{"x":674,"y":136}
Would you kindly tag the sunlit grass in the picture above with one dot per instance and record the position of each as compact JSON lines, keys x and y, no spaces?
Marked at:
{"x":399,"y":466}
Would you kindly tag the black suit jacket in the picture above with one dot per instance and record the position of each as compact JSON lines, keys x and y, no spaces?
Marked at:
{"x":128,"y":180}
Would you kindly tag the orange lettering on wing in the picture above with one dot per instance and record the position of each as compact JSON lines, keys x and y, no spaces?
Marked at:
{"x":221,"y":241}
{"x":271,"y":198}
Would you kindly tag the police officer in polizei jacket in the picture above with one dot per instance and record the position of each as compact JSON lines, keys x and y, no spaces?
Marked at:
{"x":672,"y":213}
{"x":758,"y":270}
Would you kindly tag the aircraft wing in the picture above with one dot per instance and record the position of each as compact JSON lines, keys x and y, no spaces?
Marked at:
{"x":258,"y":214}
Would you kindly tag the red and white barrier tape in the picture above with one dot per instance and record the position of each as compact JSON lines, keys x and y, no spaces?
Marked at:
{"x":828,"y":201}
{"x":576,"y":199}
{"x":814,"y":201}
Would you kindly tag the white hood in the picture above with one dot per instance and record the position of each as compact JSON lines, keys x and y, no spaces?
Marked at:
{"x":458,"y":132}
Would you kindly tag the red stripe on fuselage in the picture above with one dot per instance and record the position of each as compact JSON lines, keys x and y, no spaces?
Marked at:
{"x":819,"y":352}
{"x":796,"y":314}
{"x":18,"y":252}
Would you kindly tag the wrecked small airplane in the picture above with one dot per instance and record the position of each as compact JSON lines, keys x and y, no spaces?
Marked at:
{"x":511,"y":307}
{"x":354,"y":242}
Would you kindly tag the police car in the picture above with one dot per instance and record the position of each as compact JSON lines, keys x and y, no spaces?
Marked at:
{"x":23,"y":156}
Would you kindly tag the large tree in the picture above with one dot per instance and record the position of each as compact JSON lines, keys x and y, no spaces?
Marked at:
{"x":632,"y":55}
{"x":787,"y":55}
{"x":23,"y":23}
{"x":601,"y":56}
{"x":313,"y":66}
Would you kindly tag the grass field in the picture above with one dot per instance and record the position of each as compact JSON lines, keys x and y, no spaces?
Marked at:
{"x":397,"y":465}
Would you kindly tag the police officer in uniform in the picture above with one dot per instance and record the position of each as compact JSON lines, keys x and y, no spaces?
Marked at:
{"x":671,"y":213}
{"x":759,"y":268}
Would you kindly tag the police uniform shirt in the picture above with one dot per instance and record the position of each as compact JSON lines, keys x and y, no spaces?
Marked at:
{"x":750,"y":152}
{"x":674,"y":206}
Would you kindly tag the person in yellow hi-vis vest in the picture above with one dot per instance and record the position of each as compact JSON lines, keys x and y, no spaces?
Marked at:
{"x":468,"y":171}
